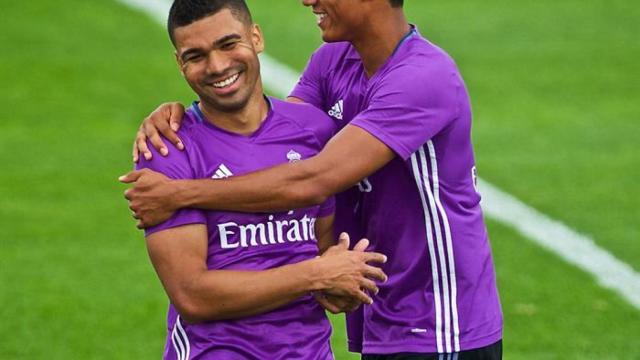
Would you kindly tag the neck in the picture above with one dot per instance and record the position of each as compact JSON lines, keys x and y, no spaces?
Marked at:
{"x":244,"y":121}
{"x":383,"y":34}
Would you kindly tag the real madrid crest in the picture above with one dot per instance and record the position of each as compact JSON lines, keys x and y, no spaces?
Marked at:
{"x":294,"y":156}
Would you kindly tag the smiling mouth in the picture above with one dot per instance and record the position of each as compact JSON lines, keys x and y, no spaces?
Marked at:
{"x":226,"y":82}
{"x":320,"y":17}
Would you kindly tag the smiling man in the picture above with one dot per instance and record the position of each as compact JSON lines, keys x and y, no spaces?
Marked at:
{"x":404,"y":170}
{"x":241,"y":285}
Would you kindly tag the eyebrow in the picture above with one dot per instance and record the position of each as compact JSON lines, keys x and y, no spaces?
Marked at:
{"x":216,"y":43}
{"x":226,"y":38}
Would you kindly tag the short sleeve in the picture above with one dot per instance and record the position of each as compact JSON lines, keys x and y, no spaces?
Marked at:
{"x":310,"y":86}
{"x":410,"y":106}
{"x":176,"y":165}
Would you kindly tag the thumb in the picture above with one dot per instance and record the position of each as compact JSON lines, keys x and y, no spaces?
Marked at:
{"x":130,"y":177}
{"x":343,"y":241}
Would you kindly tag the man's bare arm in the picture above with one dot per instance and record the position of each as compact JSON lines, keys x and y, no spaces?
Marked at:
{"x":324,"y":233}
{"x":199,"y":294}
{"x":164,"y":120}
{"x":349,"y":157}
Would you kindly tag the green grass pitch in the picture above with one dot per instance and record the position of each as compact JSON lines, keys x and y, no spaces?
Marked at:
{"x":555,"y":92}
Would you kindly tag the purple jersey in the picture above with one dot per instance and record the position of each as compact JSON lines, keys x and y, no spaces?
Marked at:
{"x":422,"y":209}
{"x":237,"y":241}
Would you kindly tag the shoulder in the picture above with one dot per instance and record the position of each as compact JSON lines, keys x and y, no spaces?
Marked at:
{"x":423,"y":61}
{"x":305,"y":116}
{"x":177,"y":163}
{"x":330,"y":55}
{"x":422,"y":73}
{"x":190,"y":123}
{"x":295,"y":110}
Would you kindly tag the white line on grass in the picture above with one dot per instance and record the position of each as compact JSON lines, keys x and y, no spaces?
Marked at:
{"x":157,"y":9}
{"x":558,"y":238}
{"x":553,"y":235}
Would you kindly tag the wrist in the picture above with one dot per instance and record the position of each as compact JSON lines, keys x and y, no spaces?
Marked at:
{"x":314,"y":275}
{"x":181,"y":196}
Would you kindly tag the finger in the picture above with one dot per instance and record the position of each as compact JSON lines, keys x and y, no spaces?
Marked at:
{"x":374,"y":257}
{"x":139,"y":225}
{"x":345,"y":303}
{"x":353,"y":307}
{"x":343,"y":240}
{"x":340,"y":302}
{"x":130,"y":177}
{"x":369,"y":285}
{"x":175,"y":117}
{"x":135,"y":153}
{"x":329,"y":306}
{"x":362,"y":245}
{"x":363,"y":297}
{"x":168,"y":133}
{"x":325,"y":303}
{"x":373,"y":272}
{"x":154,"y":137}
{"x":348,"y":300}
{"x":135,"y":216}
{"x":141,"y":145}
{"x":174,"y":113}
{"x":127,"y":195}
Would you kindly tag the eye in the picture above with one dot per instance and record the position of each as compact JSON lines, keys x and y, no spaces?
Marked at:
{"x":194,"y":58}
{"x":228,"y":45}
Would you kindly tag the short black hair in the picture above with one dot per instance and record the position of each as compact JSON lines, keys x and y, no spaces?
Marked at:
{"x":185,"y":12}
{"x":396,"y":3}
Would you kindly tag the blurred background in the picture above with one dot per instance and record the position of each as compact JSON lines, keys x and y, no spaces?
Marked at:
{"x":556,"y":96}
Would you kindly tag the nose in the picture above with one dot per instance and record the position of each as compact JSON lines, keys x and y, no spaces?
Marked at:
{"x":217,"y":63}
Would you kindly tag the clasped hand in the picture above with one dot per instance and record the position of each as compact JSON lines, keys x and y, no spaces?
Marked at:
{"x":151,"y":197}
{"x":350,"y":280}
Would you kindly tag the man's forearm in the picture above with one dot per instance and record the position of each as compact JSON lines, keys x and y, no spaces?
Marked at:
{"x":179,"y":257}
{"x":281,"y":188}
{"x":225,"y":294}
{"x":349,"y":157}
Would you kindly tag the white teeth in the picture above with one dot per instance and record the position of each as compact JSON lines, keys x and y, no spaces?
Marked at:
{"x":320,"y":17}
{"x":226,"y":82}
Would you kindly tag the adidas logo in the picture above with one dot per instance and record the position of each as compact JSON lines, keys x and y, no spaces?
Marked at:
{"x":222,"y":172}
{"x":336,"y":110}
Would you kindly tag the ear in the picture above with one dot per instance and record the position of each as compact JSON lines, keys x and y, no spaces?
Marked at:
{"x":257,"y":38}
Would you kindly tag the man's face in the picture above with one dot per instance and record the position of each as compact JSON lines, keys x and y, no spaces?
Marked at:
{"x":338,"y":19}
{"x":218,"y":56}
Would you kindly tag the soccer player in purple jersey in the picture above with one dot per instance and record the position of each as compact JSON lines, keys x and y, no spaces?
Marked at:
{"x":240,"y":284}
{"x":404,"y":168}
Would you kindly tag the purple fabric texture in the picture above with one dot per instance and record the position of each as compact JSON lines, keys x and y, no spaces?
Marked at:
{"x":422,"y":209}
{"x":299,"y":330}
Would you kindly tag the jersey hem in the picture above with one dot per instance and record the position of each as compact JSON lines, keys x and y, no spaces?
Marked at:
{"x":303,"y":95}
{"x":381,"y":348}
{"x":354,"y":347}
{"x":160,"y":227}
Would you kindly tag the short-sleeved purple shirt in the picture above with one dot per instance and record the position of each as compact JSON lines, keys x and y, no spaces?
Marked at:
{"x":238,"y":241}
{"x":422,"y":209}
